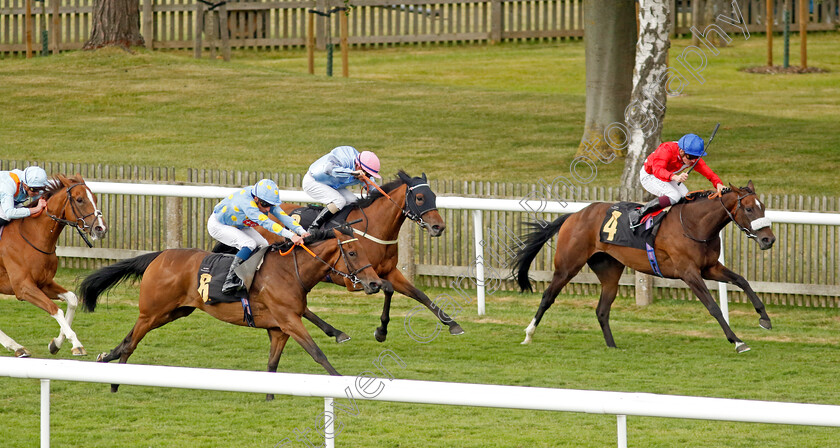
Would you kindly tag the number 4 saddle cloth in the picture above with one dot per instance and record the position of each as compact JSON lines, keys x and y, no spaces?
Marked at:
{"x":616,"y":227}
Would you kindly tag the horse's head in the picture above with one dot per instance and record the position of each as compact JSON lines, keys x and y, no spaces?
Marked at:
{"x":748,"y":215}
{"x":420,"y":204}
{"x":356,"y":261}
{"x":71,"y":202}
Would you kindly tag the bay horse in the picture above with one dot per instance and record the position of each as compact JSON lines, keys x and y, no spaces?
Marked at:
{"x":687,"y":247}
{"x":28,"y":261}
{"x":169,"y":291}
{"x":381,"y":218}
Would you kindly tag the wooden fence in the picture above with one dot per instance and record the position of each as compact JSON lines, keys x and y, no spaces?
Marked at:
{"x":803,"y":268}
{"x":170,"y":24}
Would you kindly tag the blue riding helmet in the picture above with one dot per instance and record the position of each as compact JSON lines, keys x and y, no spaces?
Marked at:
{"x":35,"y":177}
{"x":267,"y":190}
{"x":692,"y":144}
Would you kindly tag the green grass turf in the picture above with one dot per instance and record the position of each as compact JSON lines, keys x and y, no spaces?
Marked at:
{"x":509,"y":112}
{"x":670,"y":347}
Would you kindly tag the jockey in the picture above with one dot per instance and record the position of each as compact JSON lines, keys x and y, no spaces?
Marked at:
{"x":233,"y":218}
{"x":327,"y":179}
{"x":16,"y":187}
{"x":659,"y":174}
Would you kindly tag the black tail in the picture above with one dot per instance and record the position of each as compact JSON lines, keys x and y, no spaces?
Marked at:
{"x":104,"y":279}
{"x":534,"y":241}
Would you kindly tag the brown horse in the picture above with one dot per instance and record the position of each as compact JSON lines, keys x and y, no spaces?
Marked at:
{"x":28,"y":261}
{"x":687,"y":247}
{"x":169,"y":291}
{"x":381,"y":218}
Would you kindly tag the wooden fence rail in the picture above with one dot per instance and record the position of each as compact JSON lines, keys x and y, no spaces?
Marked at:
{"x":803,"y":268}
{"x":170,"y":24}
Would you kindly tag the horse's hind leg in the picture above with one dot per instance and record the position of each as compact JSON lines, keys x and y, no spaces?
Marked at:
{"x":721,"y":273}
{"x":328,"y":329}
{"x":608,"y":270}
{"x":695,"y":282}
{"x":9,"y":343}
{"x":278,"y":342}
{"x":293,"y":326}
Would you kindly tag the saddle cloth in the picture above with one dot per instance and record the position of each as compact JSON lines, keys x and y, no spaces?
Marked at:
{"x":305,"y":215}
{"x":615,"y":229}
{"x":214,"y":269}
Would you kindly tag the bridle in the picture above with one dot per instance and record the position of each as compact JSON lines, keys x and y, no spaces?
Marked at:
{"x":80,"y":224}
{"x":352,"y":276}
{"x":755,"y":225}
{"x":410,"y":210}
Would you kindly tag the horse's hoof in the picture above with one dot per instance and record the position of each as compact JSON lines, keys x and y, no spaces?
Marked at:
{"x":765,"y":324}
{"x":101,"y":357}
{"x":114,"y":388}
{"x":269,"y":397}
{"x":455,"y":330}
{"x":380,"y":335}
{"x":53,"y":348}
{"x":342,"y":338}
{"x":78,"y":351}
{"x":740,"y":347}
{"x":22,"y":353}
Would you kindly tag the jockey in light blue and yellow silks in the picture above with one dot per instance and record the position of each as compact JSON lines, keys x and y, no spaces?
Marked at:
{"x":235,"y":217}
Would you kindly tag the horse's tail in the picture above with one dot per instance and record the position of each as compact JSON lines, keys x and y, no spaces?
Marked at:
{"x":104,"y":279}
{"x":534,"y":241}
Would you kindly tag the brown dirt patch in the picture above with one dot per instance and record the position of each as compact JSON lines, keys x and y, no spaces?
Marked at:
{"x":779,"y":70}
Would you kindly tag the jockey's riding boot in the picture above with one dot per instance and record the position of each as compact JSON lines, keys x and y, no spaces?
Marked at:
{"x":322,"y":218}
{"x":636,"y":215}
{"x":232,"y":281}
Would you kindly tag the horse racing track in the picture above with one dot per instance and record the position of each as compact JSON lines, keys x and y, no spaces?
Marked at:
{"x":670,"y":347}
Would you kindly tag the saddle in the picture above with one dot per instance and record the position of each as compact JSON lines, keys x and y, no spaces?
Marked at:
{"x":615,"y":229}
{"x":213,"y":270}
{"x":305,"y":215}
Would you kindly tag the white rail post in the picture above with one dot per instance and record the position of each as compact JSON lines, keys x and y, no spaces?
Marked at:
{"x":45,"y":413}
{"x":622,"y":431}
{"x":479,"y":259}
{"x":724,"y":298}
{"x":329,"y":423}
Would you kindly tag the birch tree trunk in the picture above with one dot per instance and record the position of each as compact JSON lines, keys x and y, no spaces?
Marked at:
{"x":651,"y":85}
{"x":115,"y":23}
{"x":609,"y":35}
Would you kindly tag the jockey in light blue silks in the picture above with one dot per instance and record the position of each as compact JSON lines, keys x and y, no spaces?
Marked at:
{"x":234,"y":218}
{"x":327,"y":179}
{"x":16,"y":187}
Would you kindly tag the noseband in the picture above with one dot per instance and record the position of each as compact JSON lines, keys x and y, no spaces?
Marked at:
{"x":80,"y":224}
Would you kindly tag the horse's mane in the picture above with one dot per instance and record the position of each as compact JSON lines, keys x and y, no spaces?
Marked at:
{"x":54,"y":185}
{"x":389,"y":187}
{"x":704,"y":194}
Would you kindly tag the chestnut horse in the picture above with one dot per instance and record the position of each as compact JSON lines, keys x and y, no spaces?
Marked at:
{"x":687,"y":247}
{"x":169,"y":291}
{"x":28,"y":261}
{"x":381,"y":218}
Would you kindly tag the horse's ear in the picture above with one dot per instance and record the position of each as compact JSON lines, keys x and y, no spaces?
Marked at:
{"x":424,"y":177}
{"x":402,"y":175}
{"x":77,"y":178}
{"x":733,"y":187}
{"x":750,"y":186}
{"x":60,"y":177}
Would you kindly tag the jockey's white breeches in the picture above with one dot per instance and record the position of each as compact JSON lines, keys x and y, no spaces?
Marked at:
{"x":326,"y":194}
{"x":658,"y":187}
{"x":234,"y":237}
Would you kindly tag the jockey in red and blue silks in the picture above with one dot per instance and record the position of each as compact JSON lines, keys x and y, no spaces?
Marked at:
{"x":234,"y":218}
{"x":327,"y":179}
{"x":17,"y":187}
{"x":659,"y":174}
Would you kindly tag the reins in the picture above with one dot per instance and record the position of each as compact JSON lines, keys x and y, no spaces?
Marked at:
{"x":730,"y":215}
{"x":406,"y":210}
{"x":352,"y":276}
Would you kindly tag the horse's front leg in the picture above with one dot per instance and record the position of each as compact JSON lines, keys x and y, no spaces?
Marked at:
{"x":381,"y":332}
{"x":56,"y":291}
{"x":695,"y":282}
{"x":328,"y":329}
{"x":27,"y":290}
{"x":721,"y":273}
{"x":404,"y":287}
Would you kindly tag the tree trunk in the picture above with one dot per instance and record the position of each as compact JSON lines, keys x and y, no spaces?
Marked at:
{"x":609,"y":35}
{"x":115,"y":23}
{"x":651,"y":85}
